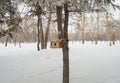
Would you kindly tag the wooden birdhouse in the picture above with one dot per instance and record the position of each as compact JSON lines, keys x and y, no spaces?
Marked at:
{"x":57,"y":44}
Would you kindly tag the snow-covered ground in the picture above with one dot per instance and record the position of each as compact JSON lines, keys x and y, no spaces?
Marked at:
{"x":89,"y":63}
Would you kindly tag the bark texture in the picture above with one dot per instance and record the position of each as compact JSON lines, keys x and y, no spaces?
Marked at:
{"x":65,"y":48}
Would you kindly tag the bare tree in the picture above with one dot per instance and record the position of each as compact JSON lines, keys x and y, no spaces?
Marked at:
{"x":83,"y":27}
{"x":66,"y":48}
{"x":48,"y":27}
{"x":63,"y":33}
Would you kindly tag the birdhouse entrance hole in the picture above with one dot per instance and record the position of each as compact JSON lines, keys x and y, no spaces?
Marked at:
{"x":57,"y":44}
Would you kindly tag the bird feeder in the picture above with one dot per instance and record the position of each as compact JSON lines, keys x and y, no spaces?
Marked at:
{"x":57,"y":44}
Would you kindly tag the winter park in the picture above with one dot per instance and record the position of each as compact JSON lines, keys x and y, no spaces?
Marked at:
{"x":59,"y":41}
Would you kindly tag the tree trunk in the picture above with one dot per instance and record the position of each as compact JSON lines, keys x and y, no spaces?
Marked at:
{"x":38,"y":35}
{"x":19,"y":44}
{"x":83,"y":27}
{"x":59,"y":21}
{"x":108,"y":29}
{"x":97,"y":34}
{"x":6,"y":41}
{"x":113,"y":38}
{"x":47,"y":29}
{"x":64,"y":34}
{"x":41,"y":34}
{"x":66,"y":48}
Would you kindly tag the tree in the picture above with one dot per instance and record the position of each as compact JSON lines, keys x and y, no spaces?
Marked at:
{"x":12,"y":20}
{"x":66,"y":47}
{"x":48,"y":27}
{"x":41,"y":9}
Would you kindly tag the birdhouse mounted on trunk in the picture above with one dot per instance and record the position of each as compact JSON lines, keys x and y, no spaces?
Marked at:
{"x":57,"y":44}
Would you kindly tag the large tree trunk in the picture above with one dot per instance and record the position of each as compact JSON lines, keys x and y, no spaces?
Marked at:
{"x":59,"y":21}
{"x":64,"y":34}
{"x":66,"y":48}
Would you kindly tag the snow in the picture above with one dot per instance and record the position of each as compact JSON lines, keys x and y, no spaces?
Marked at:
{"x":89,"y":63}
